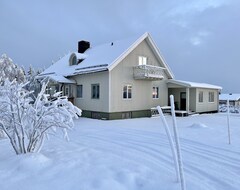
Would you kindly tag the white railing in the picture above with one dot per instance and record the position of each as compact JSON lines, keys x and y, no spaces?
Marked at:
{"x":148,"y":72}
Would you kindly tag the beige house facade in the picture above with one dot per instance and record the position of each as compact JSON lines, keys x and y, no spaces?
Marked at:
{"x":125,"y":79}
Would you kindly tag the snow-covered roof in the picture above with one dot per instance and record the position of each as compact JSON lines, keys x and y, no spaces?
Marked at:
{"x":102,"y":57}
{"x":57,"y":78}
{"x":193,"y":84}
{"x":234,"y":97}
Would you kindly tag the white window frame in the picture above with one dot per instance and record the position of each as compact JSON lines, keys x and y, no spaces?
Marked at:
{"x":81,"y":94}
{"x":155,"y":92}
{"x":128,"y":90}
{"x":142,"y":60}
{"x":97,"y":91}
{"x":200,"y":97}
{"x":211,"y":97}
{"x":66,"y":90}
{"x":73,"y":60}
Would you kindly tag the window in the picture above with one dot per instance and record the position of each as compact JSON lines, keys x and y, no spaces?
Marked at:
{"x":95,"y":91}
{"x":200,"y":96}
{"x":79,"y":91}
{"x":66,"y":91}
{"x":127,"y":92}
{"x":142,"y":60}
{"x":73,"y":59}
{"x":155,"y":92}
{"x":211,"y":97}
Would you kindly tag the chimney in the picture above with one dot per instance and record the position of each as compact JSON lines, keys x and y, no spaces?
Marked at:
{"x":83,"y":46}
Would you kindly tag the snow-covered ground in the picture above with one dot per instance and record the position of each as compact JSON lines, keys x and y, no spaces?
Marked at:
{"x":129,"y":154}
{"x":232,"y":109}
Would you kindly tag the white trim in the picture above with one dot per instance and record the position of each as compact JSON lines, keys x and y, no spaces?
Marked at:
{"x":157,"y":92}
{"x":199,"y":96}
{"x":142,"y":60}
{"x":127,"y":91}
{"x":77,"y":91}
{"x":210,"y":96}
{"x":159,"y":55}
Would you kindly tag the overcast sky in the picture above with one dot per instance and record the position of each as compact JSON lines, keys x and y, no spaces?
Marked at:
{"x":199,"y":39}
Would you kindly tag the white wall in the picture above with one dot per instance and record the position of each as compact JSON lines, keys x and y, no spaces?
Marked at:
{"x":122,"y":75}
{"x":87,"y":103}
{"x":207,"y":106}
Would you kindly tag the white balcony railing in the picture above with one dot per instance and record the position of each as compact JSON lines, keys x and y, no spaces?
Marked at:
{"x":148,"y":72}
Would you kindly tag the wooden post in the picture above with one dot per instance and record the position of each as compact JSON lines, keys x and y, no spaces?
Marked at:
{"x":179,"y":156}
{"x":170,"y":141}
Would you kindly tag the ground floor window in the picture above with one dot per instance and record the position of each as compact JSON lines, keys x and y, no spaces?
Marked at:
{"x":66,"y":90}
{"x":155,"y":92}
{"x":200,"y":96}
{"x":95,"y":91}
{"x":79,"y":91}
{"x":127,"y":92}
{"x":211,"y":96}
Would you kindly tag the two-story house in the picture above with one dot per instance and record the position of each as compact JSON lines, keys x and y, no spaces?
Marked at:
{"x":125,"y":79}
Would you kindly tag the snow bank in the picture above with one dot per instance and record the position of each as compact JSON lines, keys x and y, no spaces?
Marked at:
{"x":198,"y":125}
{"x":31,"y":162}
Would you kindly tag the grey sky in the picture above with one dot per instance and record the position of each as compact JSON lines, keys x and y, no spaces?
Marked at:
{"x":199,"y":39}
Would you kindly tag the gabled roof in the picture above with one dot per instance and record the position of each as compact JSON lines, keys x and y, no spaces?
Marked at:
{"x":103,"y":57}
{"x":193,"y":84}
{"x":233,"y":97}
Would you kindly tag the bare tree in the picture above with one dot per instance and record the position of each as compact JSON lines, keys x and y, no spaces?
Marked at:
{"x":27,"y":122}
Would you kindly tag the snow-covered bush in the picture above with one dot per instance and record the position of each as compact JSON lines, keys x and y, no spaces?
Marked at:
{"x":10,"y":71}
{"x":34,"y":84}
{"x":2,"y":134}
{"x":27,"y":121}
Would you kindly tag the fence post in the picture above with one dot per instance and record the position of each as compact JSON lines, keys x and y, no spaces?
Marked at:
{"x":179,"y":156}
{"x":170,"y":141}
{"x":228,"y":123}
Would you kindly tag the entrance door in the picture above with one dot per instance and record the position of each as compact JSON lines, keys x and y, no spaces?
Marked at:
{"x":183,"y":100}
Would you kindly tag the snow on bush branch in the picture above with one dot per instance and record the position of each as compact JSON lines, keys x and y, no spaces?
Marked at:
{"x":10,"y":70}
{"x":27,"y":122}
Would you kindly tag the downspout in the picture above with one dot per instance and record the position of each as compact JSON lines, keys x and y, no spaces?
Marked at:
{"x":187,"y":100}
{"x":61,"y":87}
{"x":109,"y":92}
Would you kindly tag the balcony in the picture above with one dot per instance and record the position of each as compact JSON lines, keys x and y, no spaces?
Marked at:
{"x":148,"y":72}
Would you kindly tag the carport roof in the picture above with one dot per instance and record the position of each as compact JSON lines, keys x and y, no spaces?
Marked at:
{"x":188,"y":84}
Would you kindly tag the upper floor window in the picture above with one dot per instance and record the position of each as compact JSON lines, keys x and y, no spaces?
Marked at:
{"x":95,"y":91}
{"x":155,"y":92}
{"x":142,"y":60}
{"x":79,"y":91}
{"x":73,"y":60}
{"x":200,"y":96}
{"x":211,"y":97}
{"x":127,"y":92}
